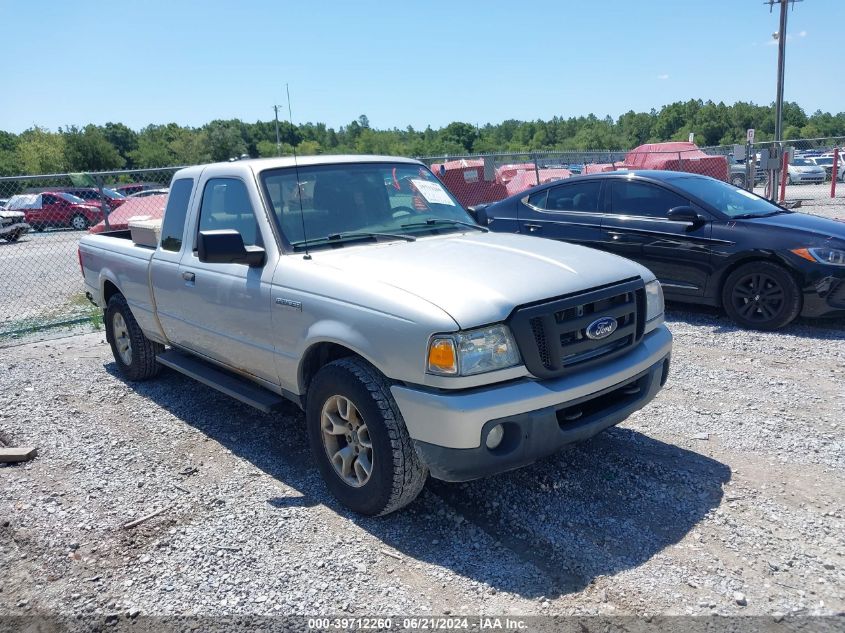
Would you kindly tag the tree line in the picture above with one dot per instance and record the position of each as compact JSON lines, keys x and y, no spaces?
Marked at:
{"x":116,"y":146}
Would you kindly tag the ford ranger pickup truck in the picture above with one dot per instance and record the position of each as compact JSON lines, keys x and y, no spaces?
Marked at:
{"x":416,"y":341}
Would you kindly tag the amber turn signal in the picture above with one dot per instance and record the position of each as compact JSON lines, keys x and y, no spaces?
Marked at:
{"x":805,"y":253}
{"x":442,"y":358}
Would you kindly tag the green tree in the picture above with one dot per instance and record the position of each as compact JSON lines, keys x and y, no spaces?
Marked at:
{"x":40,"y":151}
{"x":88,"y":149}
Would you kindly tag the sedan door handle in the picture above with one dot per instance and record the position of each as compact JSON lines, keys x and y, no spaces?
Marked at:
{"x":532,"y":227}
{"x":188,"y":276}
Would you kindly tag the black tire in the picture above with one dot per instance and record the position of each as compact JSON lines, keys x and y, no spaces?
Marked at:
{"x":761,"y":296}
{"x":397,"y":474}
{"x":738,"y":180}
{"x":13,"y":237}
{"x":79,"y":222}
{"x":142,"y":363}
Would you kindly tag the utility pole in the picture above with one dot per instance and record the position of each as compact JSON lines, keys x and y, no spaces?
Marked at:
{"x":781,"y":39}
{"x":278,"y":140}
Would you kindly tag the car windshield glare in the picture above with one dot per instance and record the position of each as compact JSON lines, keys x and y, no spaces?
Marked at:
{"x":323,"y":201}
{"x":801,"y":162}
{"x":730,"y":200}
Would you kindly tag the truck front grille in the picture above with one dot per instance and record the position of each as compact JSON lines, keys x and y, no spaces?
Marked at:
{"x":552,"y":336}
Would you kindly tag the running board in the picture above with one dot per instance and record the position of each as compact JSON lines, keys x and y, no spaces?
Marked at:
{"x":222,"y":380}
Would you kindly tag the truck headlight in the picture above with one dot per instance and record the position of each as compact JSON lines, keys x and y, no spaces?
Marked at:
{"x":472,"y":352}
{"x":653,"y":304}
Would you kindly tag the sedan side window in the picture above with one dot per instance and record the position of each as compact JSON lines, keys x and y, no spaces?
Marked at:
{"x":643,"y":199}
{"x":226,"y":205}
{"x":582,"y":196}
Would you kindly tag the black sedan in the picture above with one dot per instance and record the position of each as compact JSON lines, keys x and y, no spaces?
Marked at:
{"x":706,"y":241}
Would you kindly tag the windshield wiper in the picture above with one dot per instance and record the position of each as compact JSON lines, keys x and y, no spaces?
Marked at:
{"x":746,"y":216}
{"x":339,"y":238}
{"x":436,"y":221}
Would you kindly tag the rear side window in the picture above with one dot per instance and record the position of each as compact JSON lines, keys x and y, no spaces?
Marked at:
{"x":582,"y":196}
{"x":643,"y":199}
{"x":173,"y":227}
{"x":226,"y":205}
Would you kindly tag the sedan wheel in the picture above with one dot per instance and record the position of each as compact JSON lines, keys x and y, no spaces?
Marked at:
{"x":761,"y":295}
{"x":79,"y":222}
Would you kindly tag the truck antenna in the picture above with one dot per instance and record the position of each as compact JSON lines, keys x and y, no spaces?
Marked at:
{"x":298,"y":182}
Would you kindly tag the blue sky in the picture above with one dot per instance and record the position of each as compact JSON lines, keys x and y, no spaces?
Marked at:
{"x":402,"y":63}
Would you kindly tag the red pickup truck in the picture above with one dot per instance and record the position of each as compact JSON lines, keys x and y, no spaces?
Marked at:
{"x":55,"y":209}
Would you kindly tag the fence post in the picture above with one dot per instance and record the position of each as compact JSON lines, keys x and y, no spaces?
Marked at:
{"x":784,"y":172}
{"x":750,"y":168}
{"x":105,"y":202}
{"x":835,"y":172}
{"x":536,"y":168}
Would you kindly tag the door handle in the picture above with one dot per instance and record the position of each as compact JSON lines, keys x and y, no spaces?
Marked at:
{"x":532,"y":227}
{"x":188,"y":276}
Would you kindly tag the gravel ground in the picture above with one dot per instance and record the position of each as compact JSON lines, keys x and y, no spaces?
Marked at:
{"x":725,"y":495}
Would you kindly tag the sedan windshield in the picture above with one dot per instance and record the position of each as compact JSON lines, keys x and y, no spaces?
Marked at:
{"x":801,"y":162}
{"x":331,"y":205}
{"x":732,"y":201}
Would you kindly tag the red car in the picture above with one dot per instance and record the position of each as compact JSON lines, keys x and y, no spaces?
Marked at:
{"x":55,"y":209}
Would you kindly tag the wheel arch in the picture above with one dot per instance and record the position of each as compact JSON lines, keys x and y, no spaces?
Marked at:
{"x":318,"y":355}
{"x":747,"y":258}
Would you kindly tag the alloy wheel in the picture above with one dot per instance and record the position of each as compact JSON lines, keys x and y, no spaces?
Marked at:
{"x":347,"y":440}
{"x":758,"y":297}
{"x":122,"y":342}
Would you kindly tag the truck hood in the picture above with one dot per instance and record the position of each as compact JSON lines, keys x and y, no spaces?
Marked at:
{"x":479,"y":278}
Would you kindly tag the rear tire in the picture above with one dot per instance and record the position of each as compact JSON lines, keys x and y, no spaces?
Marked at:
{"x":13,"y":237}
{"x":134,"y":353}
{"x":396,"y":475}
{"x":761,"y":296}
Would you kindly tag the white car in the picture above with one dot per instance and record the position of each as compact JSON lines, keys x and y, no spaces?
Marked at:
{"x":12,"y":225}
{"x":803,"y":170}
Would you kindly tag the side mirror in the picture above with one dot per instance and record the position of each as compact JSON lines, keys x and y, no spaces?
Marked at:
{"x":479,"y":214}
{"x":226,"y":246}
{"x":686,"y":214}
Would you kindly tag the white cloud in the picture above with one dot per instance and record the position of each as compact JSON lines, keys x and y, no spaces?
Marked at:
{"x":663,"y":77}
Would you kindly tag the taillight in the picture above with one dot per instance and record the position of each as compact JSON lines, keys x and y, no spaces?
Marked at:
{"x":79,"y":257}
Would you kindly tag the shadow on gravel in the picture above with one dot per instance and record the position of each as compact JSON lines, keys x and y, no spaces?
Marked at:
{"x":827,"y":328}
{"x":595,"y":509}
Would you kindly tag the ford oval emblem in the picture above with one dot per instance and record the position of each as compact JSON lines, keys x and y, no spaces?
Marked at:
{"x":601,"y":328}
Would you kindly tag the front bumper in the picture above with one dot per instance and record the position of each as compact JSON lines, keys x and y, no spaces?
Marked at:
{"x":448,"y":428}
{"x":18,"y":228}
{"x":824,"y":293}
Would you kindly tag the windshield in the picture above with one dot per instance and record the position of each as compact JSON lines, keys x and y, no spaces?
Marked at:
{"x":112,"y":194}
{"x":72,"y":198}
{"x":824,"y":161}
{"x":732,"y":201}
{"x":330,"y":201}
{"x":802,"y":162}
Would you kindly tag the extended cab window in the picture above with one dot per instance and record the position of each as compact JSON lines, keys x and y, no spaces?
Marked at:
{"x":173,"y":227}
{"x":643,"y":199}
{"x":226,"y":205}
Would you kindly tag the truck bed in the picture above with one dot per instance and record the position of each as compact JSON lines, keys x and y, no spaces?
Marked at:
{"x":114,"y":258}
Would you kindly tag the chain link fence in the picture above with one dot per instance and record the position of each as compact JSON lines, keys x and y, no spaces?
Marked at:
{"x":41,"y":221}
{"x":43,"y":217}
{"x":483,"y":178}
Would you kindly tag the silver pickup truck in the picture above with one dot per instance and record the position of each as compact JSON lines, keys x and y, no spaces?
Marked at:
{"x":415,"y":340}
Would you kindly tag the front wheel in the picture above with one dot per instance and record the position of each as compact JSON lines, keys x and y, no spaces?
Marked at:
{"x":761,"y":296}
{"x":13,"y":237}
{"x":359,"y":440}
{"x":134,"y":353}
{"x":79,"y":222}
{"x":738,"y":181}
